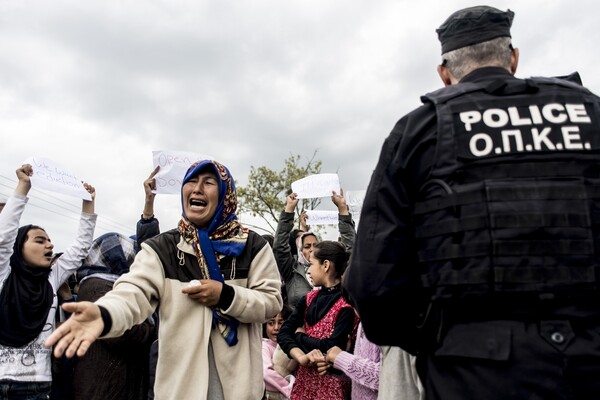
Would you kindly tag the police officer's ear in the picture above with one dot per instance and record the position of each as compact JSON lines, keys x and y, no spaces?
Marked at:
{"x":514,"y":60}
{"x":445,"y":75}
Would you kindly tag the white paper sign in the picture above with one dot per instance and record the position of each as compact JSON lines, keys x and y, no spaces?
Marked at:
{"x":322,"y":217}
{"x":50,"y":175}
{"x":354,"y":199}
{"x":318,"y":185}
{"x":173,"y":166}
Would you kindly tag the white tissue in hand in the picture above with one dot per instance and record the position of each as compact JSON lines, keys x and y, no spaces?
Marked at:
{"x":194,"y":282}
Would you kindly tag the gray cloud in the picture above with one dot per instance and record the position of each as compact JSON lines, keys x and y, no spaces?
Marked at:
{"x":99,"y":85}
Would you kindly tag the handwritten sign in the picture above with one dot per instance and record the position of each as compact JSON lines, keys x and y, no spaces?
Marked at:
{"x":173,"y":166}
{"x":52,"y":176}
{"x":322,"y":217}
{"x":318,"y":185}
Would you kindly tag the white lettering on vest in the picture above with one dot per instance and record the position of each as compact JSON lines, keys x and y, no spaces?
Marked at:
{"x":488,"y":144}
{"x":549,"y":118}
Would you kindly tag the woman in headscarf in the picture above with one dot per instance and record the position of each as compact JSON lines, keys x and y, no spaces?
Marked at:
{"x":29,"y":280}
{"x":215,"y":282}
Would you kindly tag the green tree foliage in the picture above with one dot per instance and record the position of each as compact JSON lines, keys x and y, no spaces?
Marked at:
{"x":265,"y":194}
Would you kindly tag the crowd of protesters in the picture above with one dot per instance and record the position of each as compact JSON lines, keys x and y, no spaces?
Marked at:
{"x":210,"y":309}
{"x":486,"y":255}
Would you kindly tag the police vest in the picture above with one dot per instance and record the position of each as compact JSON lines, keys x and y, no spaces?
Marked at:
{"x":512,"y":204}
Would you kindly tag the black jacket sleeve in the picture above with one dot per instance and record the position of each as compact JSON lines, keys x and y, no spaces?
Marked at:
{"x":144,"y":230}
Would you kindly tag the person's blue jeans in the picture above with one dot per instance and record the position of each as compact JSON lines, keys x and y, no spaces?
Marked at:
{"x":14,"y":390}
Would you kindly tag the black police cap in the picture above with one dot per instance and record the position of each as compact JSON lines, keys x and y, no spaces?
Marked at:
{"x":474,"y":25}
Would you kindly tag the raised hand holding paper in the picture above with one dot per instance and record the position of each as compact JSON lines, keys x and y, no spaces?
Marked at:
{"x":317,"y":185}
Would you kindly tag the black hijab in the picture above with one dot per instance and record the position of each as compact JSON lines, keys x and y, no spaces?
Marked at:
{"x":25,"y":299}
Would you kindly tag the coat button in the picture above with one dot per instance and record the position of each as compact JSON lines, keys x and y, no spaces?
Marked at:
{"x":557,"y":337}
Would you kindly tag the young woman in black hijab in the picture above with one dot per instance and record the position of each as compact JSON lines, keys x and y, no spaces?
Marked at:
{"x":28,"y":283}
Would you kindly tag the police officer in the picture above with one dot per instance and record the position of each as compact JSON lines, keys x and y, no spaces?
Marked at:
{"x":479,"y":231}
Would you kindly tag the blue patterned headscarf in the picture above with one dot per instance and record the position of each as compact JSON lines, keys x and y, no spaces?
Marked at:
{"x":224,"y":235}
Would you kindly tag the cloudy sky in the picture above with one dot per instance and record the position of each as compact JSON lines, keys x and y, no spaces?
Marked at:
{"x":98,"y":85}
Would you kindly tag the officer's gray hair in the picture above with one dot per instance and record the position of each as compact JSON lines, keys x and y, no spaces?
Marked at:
{"x":493,"y":53}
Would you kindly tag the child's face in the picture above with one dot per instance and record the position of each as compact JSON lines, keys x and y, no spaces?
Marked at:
{"x":273,"y":326}
{"x":317,"y":272}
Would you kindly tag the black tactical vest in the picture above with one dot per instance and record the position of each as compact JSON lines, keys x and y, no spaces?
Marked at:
{"x":512,"y":204}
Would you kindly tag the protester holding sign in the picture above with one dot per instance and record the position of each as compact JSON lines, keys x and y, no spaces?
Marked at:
{"x":28,"y":300}
{"x":293,"y":268}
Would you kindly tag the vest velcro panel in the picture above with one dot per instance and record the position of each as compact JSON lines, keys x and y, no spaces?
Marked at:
{"x":507,"y":235}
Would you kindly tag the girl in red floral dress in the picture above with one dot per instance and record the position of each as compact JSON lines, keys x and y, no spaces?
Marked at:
{"x":321,"y":320}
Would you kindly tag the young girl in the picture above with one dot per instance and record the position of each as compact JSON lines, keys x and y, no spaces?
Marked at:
{"x":320,"y":321}
{"x":278,"y":374}
{"x":28,"y":284}
{"x":293,"y":267}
